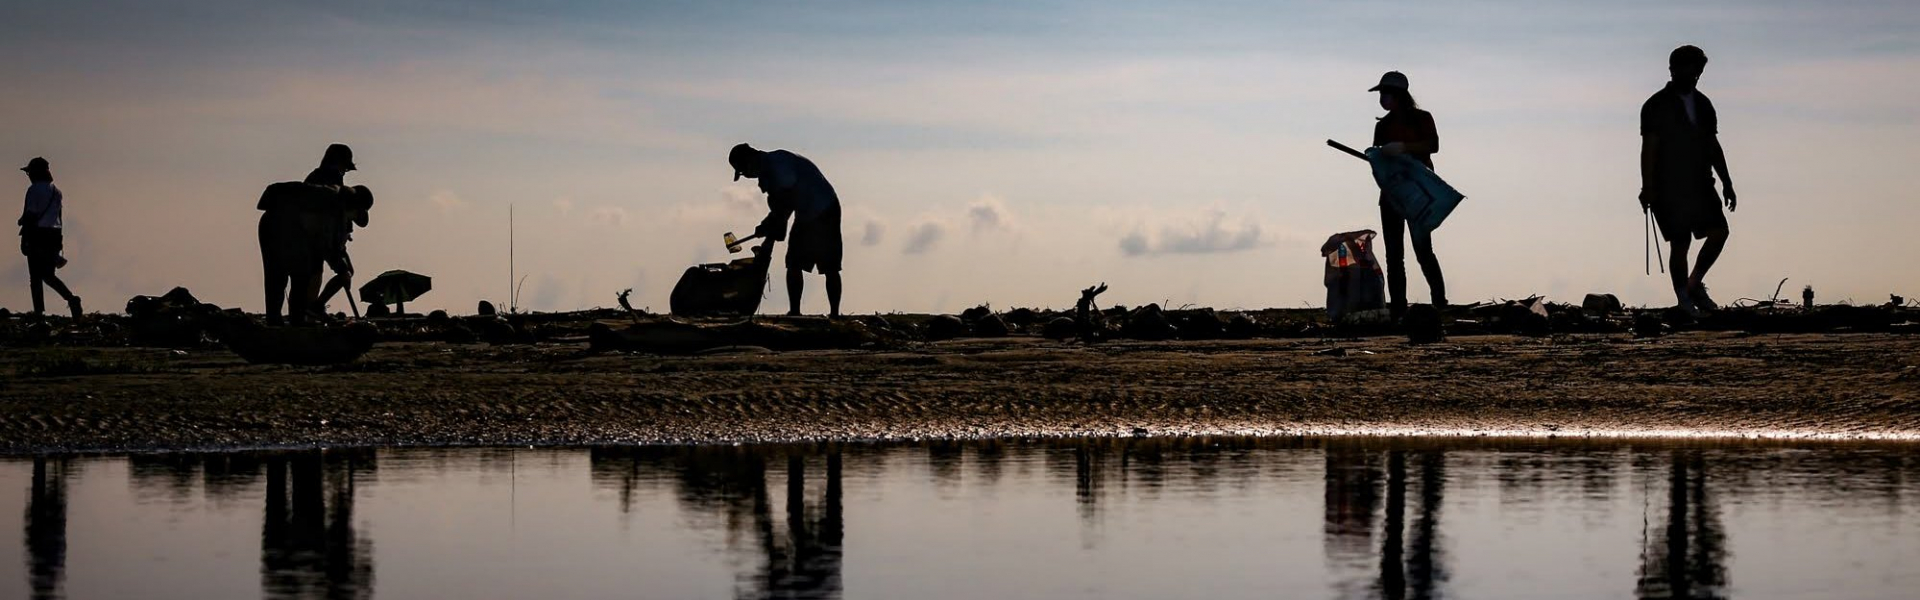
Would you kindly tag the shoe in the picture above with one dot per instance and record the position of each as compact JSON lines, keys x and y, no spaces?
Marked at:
{"x":74,"y":305}
{"x":1701,"y":300}
{"x":1687,"y":305}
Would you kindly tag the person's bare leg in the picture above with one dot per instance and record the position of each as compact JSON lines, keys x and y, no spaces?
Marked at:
{"x":794,"y":284}
{"x":833,"y":294}
{"x":1709,"y":252}
{"x":276,"y":295}
{"x":1677,"y":268}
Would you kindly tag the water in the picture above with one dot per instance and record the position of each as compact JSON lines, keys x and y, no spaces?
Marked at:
{"x":1201,"y":518}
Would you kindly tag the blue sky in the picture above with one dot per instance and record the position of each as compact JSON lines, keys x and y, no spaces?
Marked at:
{"x":1008,"y":153}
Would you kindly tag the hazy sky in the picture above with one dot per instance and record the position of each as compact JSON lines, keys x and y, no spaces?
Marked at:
{"x":1002,"y":152}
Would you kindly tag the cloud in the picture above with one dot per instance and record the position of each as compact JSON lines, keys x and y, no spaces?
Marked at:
{"x":611,"y":215}
{"x":737,"y":202}
{"x":989,"y":213}
{"x":1212,"y":233}
{"x":564,"y":205}
{"x":924,"y":236}
{"x":874,"y":231}
{"x":446,"y":201}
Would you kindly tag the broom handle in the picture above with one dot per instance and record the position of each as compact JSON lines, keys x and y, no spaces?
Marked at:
{"x":1343,"y":148}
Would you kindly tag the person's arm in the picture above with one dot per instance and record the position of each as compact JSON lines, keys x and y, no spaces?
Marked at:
{"x":1720,"y":168}
{"x":779,"y":209}
{"x":37,"y":199}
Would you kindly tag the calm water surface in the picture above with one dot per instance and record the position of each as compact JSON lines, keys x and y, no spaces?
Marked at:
{"x":1144,"y":518}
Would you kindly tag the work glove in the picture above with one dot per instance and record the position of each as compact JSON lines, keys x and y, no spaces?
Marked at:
{"x":1646,"y":199}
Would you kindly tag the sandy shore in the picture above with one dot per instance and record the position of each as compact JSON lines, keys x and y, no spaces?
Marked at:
{"x":133,"y":399}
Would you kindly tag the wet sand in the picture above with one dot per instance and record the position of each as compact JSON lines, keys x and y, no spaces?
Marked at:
{"x":1846,"y":386}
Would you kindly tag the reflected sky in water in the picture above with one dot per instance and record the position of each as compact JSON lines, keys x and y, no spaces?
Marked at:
{"x":1127,"y":518}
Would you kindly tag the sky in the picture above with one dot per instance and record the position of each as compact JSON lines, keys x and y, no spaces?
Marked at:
{"x":1002,"y":153}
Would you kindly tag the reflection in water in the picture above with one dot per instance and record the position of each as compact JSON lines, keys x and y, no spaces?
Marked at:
{"x":46,"y":537}
{"x":308,"y":546}
{"x":1688,"y":557}
{"x":771,"y":522}
{"x":797,"y":553}
{"x":1406,"y":564}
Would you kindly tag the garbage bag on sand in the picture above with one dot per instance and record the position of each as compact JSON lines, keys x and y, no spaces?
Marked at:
{"x":1354,"y":281}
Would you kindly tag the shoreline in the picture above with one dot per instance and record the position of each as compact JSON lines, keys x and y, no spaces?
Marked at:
{"x":1727,"y":386}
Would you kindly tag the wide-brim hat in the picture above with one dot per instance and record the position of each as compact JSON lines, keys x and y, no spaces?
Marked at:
{"x":1393,"y":79}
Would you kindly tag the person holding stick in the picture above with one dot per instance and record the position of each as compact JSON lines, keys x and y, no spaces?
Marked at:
{"x":1679,"y":155}
{"x":1408,"y":130}
{"x":795,"y":188}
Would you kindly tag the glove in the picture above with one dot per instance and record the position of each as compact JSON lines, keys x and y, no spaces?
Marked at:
{"x":1646,"y":199}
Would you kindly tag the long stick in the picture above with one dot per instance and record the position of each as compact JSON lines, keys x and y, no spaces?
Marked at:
{"x":1343,"y":148}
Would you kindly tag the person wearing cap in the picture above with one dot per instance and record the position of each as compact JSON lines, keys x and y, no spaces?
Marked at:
{"x":1679,"y":155}
{"x":1408,"y":130}
{"x":332,"y":171}
{"x":40,"y":237}
{"x":795,"y":188}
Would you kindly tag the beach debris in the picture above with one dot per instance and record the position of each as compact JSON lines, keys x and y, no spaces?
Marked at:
{"x":945,"y":327}
{"x":1242,"y":327}
{"x":976,"y":313}
{"x":1521,"y":317}
{"x":1602,"y":304}
{"x":1331,"y":352}
{"x":628,"y":306}
{"x":486,"y":309}
{"x":677,"y":336}
{"x":307,"y":346}
{"x":1806,"y":298}
{"x":175,"y":319}
{"x":1148,"y":323}
{"x":1649,"y":325}
{"x":1061,"y":328}
{"x":1086,"y":314}
{"x":1423,"y":325}
{"x":990,"y":325}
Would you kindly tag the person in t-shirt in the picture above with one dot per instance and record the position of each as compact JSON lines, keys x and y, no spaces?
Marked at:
{"x":1679,"y":155}
{"x":795,"y":188}
{"x":40,"y":237}
{"x":332,"y":171}
{"x":1405,"y":130}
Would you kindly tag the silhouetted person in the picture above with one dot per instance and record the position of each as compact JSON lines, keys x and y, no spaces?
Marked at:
{"x":333,"y":171}
{"x":1679,"y":153}
{"x":40,"y":237}
{"x":795,"y":188}
{"x":1405,"y":130}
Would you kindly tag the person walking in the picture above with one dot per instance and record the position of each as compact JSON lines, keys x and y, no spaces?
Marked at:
{"x":795,"y":188}
{"x":40,"y":237}
{"x":1679,"y":155}
{"x":1408,"y":130}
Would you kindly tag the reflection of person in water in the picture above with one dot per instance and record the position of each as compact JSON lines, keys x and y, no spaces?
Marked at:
{"x":1410,"y":560}
{"x":308,"y":546}
{"x":1687,"y":558}
{"x":46,"y":536}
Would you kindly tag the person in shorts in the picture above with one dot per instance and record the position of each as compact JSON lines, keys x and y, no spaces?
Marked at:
{"x":795,"y":189}
{"x":1679,"y":155}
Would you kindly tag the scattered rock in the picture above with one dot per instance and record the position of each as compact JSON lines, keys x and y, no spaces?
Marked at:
{"x":945,"y":327}
{"x":1602,"y":304}
{"x":1149,"y":323}
{"x":486,"y":308}
{"x":1061,"y":328}
{"x":976,"y":313}
{"x":990,"y":326}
